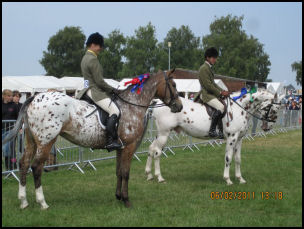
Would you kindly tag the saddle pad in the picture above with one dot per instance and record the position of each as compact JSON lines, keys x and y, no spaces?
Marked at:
{"x":210,"y":110}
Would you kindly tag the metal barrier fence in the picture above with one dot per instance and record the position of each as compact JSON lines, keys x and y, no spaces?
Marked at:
{"x":65,"y":153}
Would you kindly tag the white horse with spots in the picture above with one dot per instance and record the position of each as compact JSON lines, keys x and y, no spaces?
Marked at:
{"x":194,"y":120}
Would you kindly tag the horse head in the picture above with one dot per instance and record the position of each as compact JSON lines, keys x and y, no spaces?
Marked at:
{"x":166,"y":91}
{"x":269,"y":110}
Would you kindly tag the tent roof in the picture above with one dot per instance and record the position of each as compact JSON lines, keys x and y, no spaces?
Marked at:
{"x":182,"y":85}
{"x":35,"y":83}
{"x":193,"y":85}
{"x":275,"y":87}
{"x":10,"y":84}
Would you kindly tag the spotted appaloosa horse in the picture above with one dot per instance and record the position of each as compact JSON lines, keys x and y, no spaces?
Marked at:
{"x":195,"y":121}
{"x":50,"y":114}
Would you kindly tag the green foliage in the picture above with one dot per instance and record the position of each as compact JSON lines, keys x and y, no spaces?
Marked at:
{"x":140,"y":52}
{"x":240,"y":56}
{"x":64,"y":53}
{"x":185,"y":50}
{"x":111,"y":57}
{"x":297,"y":67}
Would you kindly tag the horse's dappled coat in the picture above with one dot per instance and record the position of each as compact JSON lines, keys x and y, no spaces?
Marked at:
{"x":194,"y":120}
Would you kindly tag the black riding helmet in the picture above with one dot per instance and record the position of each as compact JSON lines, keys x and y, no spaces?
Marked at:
{"x":95,"y":38}
{"x":211,"y":52}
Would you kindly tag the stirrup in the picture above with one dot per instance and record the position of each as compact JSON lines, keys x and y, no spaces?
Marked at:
{"x":114,"y":145}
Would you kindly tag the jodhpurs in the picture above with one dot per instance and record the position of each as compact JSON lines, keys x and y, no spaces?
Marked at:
{"x":215,"y":103}
{"x":106,"y":104}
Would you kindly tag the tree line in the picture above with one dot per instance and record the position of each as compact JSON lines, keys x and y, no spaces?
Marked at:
{"x":240,"y":55}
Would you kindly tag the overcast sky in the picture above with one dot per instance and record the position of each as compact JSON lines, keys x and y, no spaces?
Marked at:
{"x":27,"y":27}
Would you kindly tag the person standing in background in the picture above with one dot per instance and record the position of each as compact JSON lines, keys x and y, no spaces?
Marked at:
{"x":16,"y":99}
{"x":9,"y":112}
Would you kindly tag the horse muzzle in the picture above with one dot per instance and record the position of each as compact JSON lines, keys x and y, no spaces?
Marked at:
{"x":176,"y":107}
{"x":265,"y":126}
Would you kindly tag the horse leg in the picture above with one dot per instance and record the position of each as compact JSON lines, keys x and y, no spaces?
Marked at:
{"x":237,"y":158}
{"x":161,"y":141}
{"x":149,"y":161}
{"x":126,"y":158}
{"x":24,"y":165}
{"x":41,"y":156}
{"x":118,"y":174}
{"x":231,"y":141}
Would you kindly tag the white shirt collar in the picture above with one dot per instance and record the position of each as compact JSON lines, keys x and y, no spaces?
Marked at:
{"x":208,"y":63}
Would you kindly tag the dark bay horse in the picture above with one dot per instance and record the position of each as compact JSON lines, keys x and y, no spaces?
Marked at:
{"x":47,"y":115}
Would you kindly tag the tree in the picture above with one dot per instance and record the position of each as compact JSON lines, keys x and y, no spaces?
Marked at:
{"x":140,"y":52}
{"x":240,"y":55}
{"x":297,"y":67}
{"x":111,"y":57}
{"x":64,"y":53}
{"x":185,"y":50}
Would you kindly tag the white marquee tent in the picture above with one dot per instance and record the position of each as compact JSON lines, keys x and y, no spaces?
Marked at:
{"x":276,"y":87}
{"x":32,"y":84}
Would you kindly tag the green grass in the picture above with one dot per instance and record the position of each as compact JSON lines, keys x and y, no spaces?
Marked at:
{"x":272,"y":164}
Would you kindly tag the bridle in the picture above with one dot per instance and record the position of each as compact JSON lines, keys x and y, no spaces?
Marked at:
{"x":173,"y":97}
{"x":171,"y":102}
{"x":268,"y":107}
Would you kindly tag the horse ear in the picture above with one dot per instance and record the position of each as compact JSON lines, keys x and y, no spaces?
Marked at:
{"x":171,"y":71}
{"x":159,"y":71}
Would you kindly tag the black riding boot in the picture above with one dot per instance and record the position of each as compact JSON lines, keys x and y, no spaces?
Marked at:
{"x":220,"y":127}
{"x":215,"y":118}
{"x":112,"y":138}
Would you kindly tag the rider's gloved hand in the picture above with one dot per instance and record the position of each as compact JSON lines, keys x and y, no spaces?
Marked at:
{"x":225,"y":93}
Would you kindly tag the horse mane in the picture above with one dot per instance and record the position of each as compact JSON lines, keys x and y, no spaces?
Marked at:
{"x":130,"y":86}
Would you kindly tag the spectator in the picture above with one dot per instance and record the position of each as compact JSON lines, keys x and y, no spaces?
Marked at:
{"x":16,"y":99}
{"x":294,"y":112}
{"x":294,"y":106}
{"x":9,"y":112}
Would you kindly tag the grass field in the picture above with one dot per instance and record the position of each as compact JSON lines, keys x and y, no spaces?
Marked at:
{"x":272,"y":164}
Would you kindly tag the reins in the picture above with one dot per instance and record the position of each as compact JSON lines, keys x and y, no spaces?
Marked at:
{"x":151,"y":106}
{"x":262,"y":119}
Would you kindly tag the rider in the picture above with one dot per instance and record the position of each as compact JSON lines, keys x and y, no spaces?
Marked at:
{"x":97,"y":89}
{"x":211,"y":92}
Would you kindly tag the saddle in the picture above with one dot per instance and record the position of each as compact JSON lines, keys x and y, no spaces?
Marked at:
{"x":102,"y":114}
{"x":211,"y":110}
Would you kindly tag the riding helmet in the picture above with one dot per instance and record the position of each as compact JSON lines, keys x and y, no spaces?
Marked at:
{"x":95,"y":38}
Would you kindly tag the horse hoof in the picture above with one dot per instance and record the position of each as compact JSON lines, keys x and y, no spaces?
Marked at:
{"x":162,"y":181}
{"x":128,"y":204}
{"x":44,"y":207}
{"x":24,"y":205}
{"x":118,"y":197}
{"x":229,"y":183}
{"x":150,"y":177}
{"x":242,"y":181}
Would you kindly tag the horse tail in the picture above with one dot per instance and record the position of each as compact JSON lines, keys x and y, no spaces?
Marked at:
{"x":22,"y":113}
